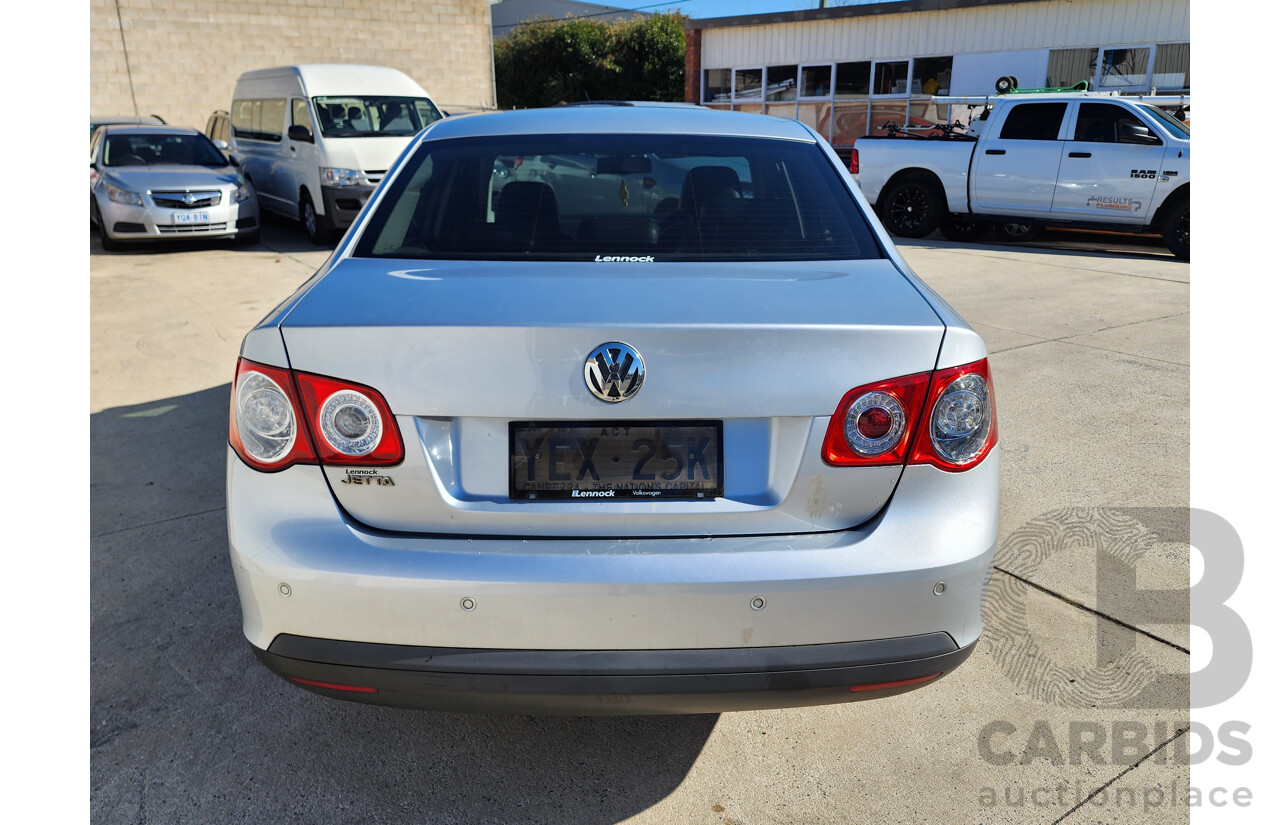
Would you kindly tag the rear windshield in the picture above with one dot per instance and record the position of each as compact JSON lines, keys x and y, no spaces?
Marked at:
{"x":601,"y":197}
{"x":135,"y":149}
{"x":349,"y":116}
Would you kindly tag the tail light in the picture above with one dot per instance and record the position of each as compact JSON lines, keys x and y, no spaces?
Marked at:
{"x":946,"y":418}
{"x":280,"y":418}
{"x":853,"y":161}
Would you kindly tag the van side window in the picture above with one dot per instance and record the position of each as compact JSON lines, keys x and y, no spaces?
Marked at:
{"x":302,"y":115}
{"x":1033,"y":121}
{"x":258,"y":119}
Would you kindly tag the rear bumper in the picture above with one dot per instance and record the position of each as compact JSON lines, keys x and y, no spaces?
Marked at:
{"x":612,"y":682}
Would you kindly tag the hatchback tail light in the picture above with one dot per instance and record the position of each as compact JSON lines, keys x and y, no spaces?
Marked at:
{"x":946,"y":418}
{"x":280,"y":418}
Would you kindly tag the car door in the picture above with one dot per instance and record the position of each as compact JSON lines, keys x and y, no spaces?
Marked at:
{"x":1110,"y":166}
{"x":1016,"y":168}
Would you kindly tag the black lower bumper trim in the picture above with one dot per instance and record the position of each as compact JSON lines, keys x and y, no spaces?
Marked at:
{"x":343,"y":203}
{"x":612,"y":681}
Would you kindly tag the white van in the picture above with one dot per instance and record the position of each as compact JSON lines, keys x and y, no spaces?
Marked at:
{"x":322,"y":176}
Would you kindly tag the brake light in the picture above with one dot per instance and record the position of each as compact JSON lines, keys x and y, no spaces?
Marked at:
{"x":853,"y":162}
{"x":280,"y":418}
{"x":961,"y":429}
{"x":265,"y":429}
{"x":874,"y":423}
{"x":946,"y":418}
{"x":351,"y":423}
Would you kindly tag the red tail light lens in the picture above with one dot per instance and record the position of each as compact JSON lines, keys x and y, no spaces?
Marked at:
{"x":853,"y":161}
{"x":280,"y":418}
{"x":352,"y":424}
{"x":874,"y":423}
{"x":266,"y":430}
{"x":947,"y":419}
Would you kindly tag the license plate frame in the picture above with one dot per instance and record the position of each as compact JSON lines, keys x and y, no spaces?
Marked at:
{"x":694,"y":473}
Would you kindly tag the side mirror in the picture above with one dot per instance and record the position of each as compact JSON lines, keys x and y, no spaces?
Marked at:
{"x":1132,"y":133}
{"x":222,"y":145}
{"x":301,"y":134}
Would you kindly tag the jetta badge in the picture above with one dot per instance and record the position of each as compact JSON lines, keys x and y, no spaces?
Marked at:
{"x":614,"y":372}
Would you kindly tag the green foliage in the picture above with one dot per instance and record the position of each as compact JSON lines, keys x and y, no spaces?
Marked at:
{"x":548,"y":62}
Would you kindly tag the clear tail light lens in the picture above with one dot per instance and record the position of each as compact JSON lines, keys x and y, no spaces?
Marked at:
{"x":280,"y":418}
{"x":946,"y":418}
{"x":265,"y":428}
{"x":962,"y":418}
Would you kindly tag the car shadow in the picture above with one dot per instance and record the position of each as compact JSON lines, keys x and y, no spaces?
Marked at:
{"x":186,"y":723}
{"x":1062,"y":242}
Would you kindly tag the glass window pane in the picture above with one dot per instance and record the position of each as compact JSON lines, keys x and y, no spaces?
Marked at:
{"x":849,"y":122}
{"x":715,"y":85}
{"x":817,"y":116}
{"x":781,"y":110}
{"x":1173,"y":66}
{"x":273,"y":117}
{"x":782,"y":83}
{"x":1033,"y":121}
{"x":931,"y":76}
{"x":1123,"y":68}
{"x":815,"y":81}
{"x":301,"y":114}
{"x":853,"y":80}
{"x":891,"y":78}
{"x":1067,"y":67}
{"x":887,"y":117}
{"x":747,"y":82}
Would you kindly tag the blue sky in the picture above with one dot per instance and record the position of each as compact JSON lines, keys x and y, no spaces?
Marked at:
{"x":717,"y":8}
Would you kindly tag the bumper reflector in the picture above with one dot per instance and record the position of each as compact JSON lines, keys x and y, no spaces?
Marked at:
{"x":332,"y":686}
{"x":887,"y":685}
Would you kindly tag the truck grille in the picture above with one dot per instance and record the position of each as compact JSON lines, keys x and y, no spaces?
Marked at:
{"x":179,"y":200}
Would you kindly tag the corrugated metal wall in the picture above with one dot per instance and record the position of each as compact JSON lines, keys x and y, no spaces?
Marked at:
{"x":1046,"y":24}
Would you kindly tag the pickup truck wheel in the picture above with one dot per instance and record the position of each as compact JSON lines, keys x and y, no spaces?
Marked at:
{"x":1017,"y":232}
{"x":912,"y":208}
{"x":964,"y":231}
{"x":1176,"y":229}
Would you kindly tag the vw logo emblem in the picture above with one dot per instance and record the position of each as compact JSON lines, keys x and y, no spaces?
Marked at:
{"x":614,"y":372}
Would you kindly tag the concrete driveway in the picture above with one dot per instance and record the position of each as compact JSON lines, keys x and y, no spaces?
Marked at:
{"x":1073,"y":709}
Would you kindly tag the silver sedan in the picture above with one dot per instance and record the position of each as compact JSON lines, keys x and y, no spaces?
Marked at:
{"x":153,"y":182}
{"x":613,"y":409}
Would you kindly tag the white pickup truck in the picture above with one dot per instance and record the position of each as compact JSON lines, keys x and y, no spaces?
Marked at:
{"x":1068,"y":159}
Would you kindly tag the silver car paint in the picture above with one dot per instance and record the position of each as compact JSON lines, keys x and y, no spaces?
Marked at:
{"x":348,"y":582}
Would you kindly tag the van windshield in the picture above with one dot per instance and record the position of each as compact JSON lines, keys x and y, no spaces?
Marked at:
{"x":357,"y":116}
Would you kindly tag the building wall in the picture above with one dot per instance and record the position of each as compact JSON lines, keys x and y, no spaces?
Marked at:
{"x":1042,"y":24}
{"x":183,"y":56}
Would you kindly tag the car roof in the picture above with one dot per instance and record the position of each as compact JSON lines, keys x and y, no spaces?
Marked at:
{"x":148,"y":128}
{"x":619,"y":118}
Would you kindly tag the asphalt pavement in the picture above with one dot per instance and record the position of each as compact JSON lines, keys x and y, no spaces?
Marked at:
{"x":1073,"y":709}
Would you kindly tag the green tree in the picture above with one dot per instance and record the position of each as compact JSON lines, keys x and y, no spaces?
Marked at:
{"x":546,"y":62}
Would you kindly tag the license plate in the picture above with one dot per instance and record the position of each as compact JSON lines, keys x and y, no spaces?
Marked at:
{"x":190,"y":217}
{"x":616,"y":460}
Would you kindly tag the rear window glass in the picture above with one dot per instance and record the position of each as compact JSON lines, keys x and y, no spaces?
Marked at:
{"x":599,"y":197}
{"x":1033,"y":121}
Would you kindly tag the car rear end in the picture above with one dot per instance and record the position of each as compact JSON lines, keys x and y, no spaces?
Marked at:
{"x":667,"y":426}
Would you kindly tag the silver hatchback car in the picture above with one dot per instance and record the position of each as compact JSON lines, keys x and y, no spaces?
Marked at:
{"x":155,"y":182}
{"x":613,"y":409}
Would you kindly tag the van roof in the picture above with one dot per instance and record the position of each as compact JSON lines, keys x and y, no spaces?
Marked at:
{"x":343,"y":79}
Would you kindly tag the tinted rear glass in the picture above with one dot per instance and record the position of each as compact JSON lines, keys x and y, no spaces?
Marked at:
{"x":583,"y":197}
{"x":133,"y":149}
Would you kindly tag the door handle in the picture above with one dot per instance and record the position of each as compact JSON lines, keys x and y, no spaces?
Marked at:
{"x":995,"y":151}
{"x":1079,"y":154}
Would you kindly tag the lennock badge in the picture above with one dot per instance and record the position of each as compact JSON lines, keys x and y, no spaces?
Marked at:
{"x":614,"y":372}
